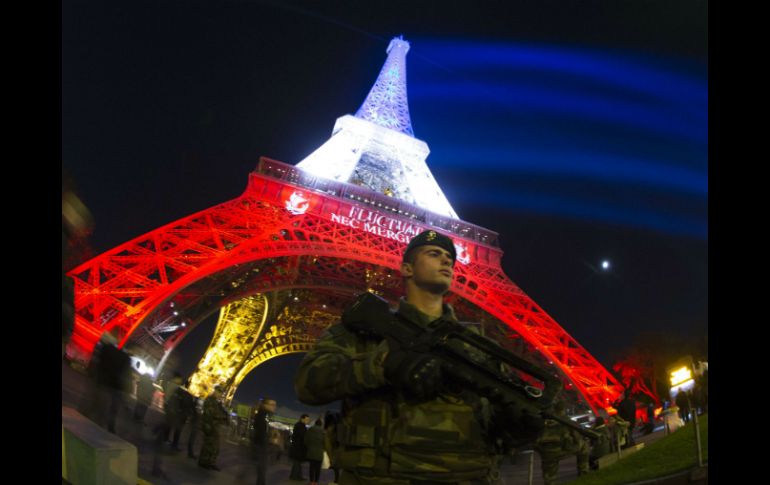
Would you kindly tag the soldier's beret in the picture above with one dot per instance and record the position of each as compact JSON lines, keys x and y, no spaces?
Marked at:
{"x":432,"y":238}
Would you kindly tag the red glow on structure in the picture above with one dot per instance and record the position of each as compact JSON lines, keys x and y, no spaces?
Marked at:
{"x":287,"y":213}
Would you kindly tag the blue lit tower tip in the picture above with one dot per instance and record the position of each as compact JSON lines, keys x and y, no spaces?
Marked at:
{"x":386,"y":105}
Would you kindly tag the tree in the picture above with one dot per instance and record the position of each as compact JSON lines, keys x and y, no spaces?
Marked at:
{"x":642,"y":367}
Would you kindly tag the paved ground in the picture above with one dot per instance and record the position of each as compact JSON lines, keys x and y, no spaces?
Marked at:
{"x":238,"y":467}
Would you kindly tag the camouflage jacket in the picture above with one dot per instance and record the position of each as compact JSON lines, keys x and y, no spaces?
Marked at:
{"x":214,"y":414}
{"x":557,"y":439}
{"x":385,"y":433}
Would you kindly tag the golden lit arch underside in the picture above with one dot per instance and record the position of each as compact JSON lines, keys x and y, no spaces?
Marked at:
{"x":292,"y":235}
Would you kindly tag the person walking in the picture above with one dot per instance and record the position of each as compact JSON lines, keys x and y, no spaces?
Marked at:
{"x":260,"y":436}
{"x":314,"y":443}
{"x":297,"y":451}
{"x":627,"y":410}
{"x":331,"y":442}
{"x":195,"y":419}
{"x":145,"y":390}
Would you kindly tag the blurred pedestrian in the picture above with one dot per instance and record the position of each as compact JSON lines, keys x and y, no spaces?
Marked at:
{"x":163,"y":429}
{"x":627,"y":410}
{"x":298,"y":451}
{"x":649,"y":427}
{"x":260,"y":436}
{"x":314,"y":445}
{"x":145,"y":390}
{"x":331,"y":442}
{"x":185,"y":407}
{"x":683,"y":403}
{"x":195,"y":418}
{"x":113,"y":375}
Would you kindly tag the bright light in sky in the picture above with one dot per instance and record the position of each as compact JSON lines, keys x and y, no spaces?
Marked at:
{"x":605,"y":264}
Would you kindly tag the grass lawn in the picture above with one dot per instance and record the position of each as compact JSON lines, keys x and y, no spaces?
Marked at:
{"x":671,"y":454}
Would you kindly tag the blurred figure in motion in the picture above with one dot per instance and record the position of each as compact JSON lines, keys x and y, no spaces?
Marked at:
{"x":649,"y":427}
{"x":110,"y":369}
{"x":185,"y":407}
{"x":163,"y":428}
{"x":331,"y":442}
{"x":195,"y":419}
{"x":627,"y":411}
{"x":145,"y":390}
{"x":76,"y":226}
{"x":171,"y":406}
{"x":297,"y":451}
{"x":260,"y":436}
{"x":314,"y":444}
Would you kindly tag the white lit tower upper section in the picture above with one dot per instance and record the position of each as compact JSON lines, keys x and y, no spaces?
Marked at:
{"x":376,"y":148}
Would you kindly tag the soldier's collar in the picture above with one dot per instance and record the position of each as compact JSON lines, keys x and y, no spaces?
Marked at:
{"x":412,"y":313}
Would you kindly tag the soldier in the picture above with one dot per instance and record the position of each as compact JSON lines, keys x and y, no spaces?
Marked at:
{"x":214,"y":415}
{"x":601,"y":446}
{"x":399,"y":426}
{"x":558,"y":441}
{"x":620,"y":432}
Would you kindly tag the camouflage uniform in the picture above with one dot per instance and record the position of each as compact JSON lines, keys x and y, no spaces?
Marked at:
{"x":213,"y":416}
{"x":620,"y":432}
{"x":600,"y":447}
{"x":557,"y":442}
{"x":384,"y":436}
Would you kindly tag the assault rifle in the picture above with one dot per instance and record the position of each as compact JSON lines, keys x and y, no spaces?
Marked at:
{"x":472,"y":362}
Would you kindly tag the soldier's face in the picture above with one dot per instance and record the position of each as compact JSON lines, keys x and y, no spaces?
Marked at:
{"x":431,"y":270}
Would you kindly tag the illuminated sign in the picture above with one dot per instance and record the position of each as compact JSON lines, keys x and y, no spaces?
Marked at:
{"x":462,"y":253}
{"x":379,"y":224}
{"x":297,"y":203}
{"x":368,"y":220}
{"x":680,"y":375}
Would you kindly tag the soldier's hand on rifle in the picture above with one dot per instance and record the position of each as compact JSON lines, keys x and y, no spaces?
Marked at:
{"x":419,"y":374}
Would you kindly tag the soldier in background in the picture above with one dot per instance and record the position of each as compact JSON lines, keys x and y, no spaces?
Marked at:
{"x":399,"y":424}
{"x":601,"y":446}
{"x":214,"y":415}
{"x":620,"y":431}
{"x":558,"y":441}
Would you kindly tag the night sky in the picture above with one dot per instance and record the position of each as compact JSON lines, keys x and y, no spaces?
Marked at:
{"x":577,"y":130}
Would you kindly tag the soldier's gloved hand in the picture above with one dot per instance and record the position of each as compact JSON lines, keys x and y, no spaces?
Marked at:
{"x":418,"y":374}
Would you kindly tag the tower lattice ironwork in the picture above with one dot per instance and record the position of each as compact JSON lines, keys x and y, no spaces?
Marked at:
{"x":281,"y":261}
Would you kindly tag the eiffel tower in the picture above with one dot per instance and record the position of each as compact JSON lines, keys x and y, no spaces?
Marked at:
{"x":281,"y":261}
